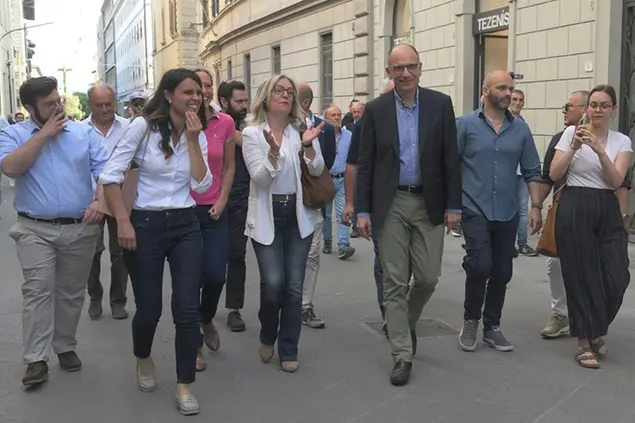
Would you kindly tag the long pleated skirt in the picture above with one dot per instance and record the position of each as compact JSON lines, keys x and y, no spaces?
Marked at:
{"x":593,"y":250}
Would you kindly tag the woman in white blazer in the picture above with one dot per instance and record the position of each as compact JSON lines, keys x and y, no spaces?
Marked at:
{"x":278,"y":223}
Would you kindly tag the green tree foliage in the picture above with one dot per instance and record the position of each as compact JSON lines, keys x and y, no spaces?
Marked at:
{"x":83,"y":101}
{"x":72,"y":107}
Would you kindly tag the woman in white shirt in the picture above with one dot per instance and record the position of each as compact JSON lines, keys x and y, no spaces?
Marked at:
{"x":169,"y":146}
{"x":590,"y":235}
{"x":278,"y":223}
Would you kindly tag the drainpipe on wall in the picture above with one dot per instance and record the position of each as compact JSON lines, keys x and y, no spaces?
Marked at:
{"x":511,"y":38}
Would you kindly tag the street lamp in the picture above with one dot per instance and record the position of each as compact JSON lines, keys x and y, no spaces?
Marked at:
{"x":24,"y":29}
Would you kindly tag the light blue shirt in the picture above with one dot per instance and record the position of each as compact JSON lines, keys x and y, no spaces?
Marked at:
{"x":59,"y":182}
{"x":341,"y":153}
{"x":408,"y":127}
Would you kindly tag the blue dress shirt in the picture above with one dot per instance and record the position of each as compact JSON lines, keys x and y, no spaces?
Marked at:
{"x":408,"y":127}
{"x":341,"y":152}
{"x":489,"y":162}
{"x":59,"y":182}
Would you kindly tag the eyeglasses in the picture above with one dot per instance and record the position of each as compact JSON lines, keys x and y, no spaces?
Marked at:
{"x":568,"y":106}
{"x":604,"y":106}
{"x":399,"y":69}
{"x":279,"y":89}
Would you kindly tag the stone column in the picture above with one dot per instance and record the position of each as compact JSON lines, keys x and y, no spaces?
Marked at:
{"x":464,"y":60}
{"x":362,"y":50}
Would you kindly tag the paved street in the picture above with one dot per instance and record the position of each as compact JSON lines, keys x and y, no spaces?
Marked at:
{"x":344,"y":369}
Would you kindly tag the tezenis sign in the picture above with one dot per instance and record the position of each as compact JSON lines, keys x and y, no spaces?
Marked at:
{"x":491,"y":21}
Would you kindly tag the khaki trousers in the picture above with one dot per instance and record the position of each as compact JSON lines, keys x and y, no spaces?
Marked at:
{"x":312,"y":266}
{"x":408,"y":245}
{"x":56,"y":261}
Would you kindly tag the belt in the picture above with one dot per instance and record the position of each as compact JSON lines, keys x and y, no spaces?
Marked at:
{"x":282,"y":198}
{"x":337,"y":176}
{"x":57,"y":221}
{"x":412,"y":189}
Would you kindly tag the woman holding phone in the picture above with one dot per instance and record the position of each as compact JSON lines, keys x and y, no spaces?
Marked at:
{"x":590,"y":235}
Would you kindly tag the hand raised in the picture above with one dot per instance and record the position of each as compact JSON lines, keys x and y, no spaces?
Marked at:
{"x":54,"y":125}
{"x":193,"y":125}
{"x":274,"y":145}
{"x":312,"y":133}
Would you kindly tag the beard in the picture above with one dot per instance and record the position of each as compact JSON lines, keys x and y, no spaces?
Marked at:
{"x":238,"y":116}
{"x":501,"y":102}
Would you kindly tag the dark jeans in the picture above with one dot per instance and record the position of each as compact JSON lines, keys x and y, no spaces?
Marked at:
{"x":236,"y":268}
{"x":378,"y":271}
{"x":215,"y":245}
{"x":118,"y":271}
{"x":282,"y":265}
{"x":175,"y":235}
{"x":488,"y":265}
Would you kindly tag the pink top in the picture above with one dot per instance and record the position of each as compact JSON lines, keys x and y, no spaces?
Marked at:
{"x":220,"y":128}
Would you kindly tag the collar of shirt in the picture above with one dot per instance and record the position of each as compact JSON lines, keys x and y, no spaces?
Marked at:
{"x":118,"y":120}
{"x":400,"y":101}
{"x":508,"y":115}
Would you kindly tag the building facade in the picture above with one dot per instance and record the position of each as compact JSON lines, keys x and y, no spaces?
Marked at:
{"x":341,"y":48}
{"x":176,"y":24}
{"x":124,"y":47}
{"x":19,"y":48}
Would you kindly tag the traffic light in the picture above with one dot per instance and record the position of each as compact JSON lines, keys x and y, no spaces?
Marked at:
{"x":30,"y":45}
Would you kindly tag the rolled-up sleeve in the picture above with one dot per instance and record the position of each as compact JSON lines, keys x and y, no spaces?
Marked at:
{"x":258,"y":165}
{"x":206,"y":182}
{"x":315,"y":165}
{"x":529,"y":160}
{"x":97,"y":152}
{"x":123,"y":153}
{"x":8,"y":142}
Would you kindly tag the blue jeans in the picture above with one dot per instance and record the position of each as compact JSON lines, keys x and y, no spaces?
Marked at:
{"x":215,"y":250}
{"x":282,"y":265}
{"x":175,"y":235}
{"x":342,"y":230}
{"x":523,"y":204}
{"x":378,"y":271}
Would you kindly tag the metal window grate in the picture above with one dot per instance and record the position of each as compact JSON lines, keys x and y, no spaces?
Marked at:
{"x":425,"y":328}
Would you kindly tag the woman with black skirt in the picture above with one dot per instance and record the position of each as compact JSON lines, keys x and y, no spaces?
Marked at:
{"x":590,"y":236}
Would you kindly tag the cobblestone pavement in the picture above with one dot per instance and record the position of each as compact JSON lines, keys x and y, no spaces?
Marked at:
{"x":344,"y":368}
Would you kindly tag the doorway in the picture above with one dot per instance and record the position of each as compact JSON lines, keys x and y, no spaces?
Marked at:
{"x":491,"y":54}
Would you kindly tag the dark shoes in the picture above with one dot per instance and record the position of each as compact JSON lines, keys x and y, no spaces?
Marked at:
{"x":235,"y":321}
{"x":69,"y":361}
{"x":36,"y":374}
{"x":211,"y":336}
{"x":400,"y":374}
{"x":95,"y":310}
{"x":119,"y":312}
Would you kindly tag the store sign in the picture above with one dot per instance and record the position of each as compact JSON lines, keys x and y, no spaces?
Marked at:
{"x":491,"y":21}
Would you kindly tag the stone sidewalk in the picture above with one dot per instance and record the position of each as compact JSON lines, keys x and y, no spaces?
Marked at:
{"x":344,"y":368}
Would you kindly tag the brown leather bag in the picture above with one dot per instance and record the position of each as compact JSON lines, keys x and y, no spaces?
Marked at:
{"x":317,"y":191}
{"x":547,"y":242}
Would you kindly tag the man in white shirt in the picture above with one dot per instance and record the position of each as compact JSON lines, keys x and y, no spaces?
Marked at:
{"x":110,"y":128}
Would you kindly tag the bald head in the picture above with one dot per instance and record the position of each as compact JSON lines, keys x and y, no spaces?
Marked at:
{"x":305,"y":96}
{"x":404,"y":69}
{"x":498,"y":77}
{"x":403,"y":52}
{"x":333,"y":115}
{"x":103,"y":103}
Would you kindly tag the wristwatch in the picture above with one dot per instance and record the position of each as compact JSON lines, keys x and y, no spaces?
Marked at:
{"x":307,"y":145}
{"x":536,"y":206}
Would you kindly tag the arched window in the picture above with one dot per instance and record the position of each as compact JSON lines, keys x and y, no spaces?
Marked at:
{"x":402,"y":22}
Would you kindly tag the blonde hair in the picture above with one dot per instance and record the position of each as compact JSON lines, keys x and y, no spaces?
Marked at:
{"x":263,"y":96}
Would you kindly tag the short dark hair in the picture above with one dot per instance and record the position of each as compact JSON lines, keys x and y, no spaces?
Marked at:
{"x":35,"y":88}
{"x":226,"y":89}
{"x":517,"y":91}
{"x":606,"y":89}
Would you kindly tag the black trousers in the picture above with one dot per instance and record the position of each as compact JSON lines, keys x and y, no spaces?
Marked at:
{"x":593,"y":251}
{"x":236,"y":267}
{"x":488,"y":265}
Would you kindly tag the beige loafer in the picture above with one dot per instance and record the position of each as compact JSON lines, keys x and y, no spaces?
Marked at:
{"x":186,"y":404}
{"x":147,"y":380}
{"x":290,"y":366}
{"x":266,"y":353}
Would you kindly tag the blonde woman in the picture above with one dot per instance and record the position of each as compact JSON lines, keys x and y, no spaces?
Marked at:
{"x":278,"y":223}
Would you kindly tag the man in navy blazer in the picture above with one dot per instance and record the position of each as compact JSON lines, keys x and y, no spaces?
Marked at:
{"x":329,"y":149}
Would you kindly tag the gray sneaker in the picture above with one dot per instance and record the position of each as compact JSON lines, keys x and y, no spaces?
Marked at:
{"x":467,"y":337}
{"x":345,"y":252}
{"x":311,"y":320}
{"x":495,"y":339}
